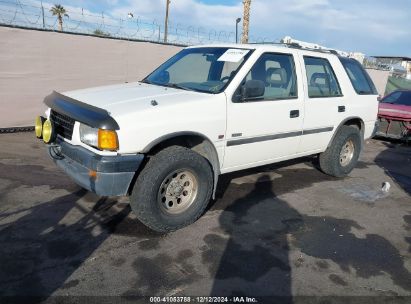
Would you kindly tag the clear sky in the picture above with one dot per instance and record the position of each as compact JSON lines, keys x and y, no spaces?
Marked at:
{"x":374,"y":27}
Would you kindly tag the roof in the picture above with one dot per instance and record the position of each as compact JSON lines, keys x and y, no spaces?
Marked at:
{"x":268,"y":46}
{"x":403,"y":58}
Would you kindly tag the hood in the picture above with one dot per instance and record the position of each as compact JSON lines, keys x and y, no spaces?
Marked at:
{"x":122,"y":98}
{"x":401,"y":112}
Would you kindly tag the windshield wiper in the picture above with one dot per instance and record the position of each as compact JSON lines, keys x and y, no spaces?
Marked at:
{"x":177,"y":86}
{"x":169,"y":85}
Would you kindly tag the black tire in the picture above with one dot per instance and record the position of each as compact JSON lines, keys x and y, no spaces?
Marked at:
{"x":145,"y":201}
{"x":330,"y":159}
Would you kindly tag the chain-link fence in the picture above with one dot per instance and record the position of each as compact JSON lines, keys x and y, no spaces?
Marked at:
{"x":36,"y":14}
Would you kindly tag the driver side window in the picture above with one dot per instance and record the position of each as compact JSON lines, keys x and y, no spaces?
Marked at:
{"x":277,"y":73}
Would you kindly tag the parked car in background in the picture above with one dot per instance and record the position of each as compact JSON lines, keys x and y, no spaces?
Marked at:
{"x":394,"y":115}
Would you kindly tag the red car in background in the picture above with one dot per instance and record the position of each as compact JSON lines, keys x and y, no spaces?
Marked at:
{"x":394,"y":115}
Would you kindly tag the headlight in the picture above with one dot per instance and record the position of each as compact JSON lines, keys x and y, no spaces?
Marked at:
{"x":89,"y":135}
{"x":99,"y":138}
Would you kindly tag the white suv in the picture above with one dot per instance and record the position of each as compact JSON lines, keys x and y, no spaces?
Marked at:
{"x":207,"y":111}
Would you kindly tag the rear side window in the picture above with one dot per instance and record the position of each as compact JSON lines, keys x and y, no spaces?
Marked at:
{"x":360,"y":79}
{"x":321,"y":78}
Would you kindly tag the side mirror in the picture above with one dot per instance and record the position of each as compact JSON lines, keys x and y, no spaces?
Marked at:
{"x":252,"y":89}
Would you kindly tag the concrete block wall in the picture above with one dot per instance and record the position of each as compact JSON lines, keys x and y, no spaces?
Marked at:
{"x":34,"y":63}
{"x":380,"y":79}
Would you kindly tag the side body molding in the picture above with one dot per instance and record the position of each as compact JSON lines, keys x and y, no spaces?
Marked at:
{"x":80,"y":111}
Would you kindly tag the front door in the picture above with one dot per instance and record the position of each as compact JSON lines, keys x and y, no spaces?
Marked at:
{"x":268,"y":127}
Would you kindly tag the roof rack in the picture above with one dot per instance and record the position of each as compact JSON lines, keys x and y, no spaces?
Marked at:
{"x":295,"y":45}
{"x":313,"y":49}
{"x":287,"y":41}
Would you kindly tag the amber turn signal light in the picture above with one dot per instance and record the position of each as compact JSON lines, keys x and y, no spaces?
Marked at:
{"x":107,"y":140}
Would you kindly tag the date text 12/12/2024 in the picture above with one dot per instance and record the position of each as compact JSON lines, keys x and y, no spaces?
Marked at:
{"x":203,"y":300}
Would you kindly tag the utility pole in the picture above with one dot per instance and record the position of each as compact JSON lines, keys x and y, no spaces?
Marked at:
{"x":237,"y":21}
{"x":246,"y":20}
{"x":42,"y":14}
{"x":166,"y":21}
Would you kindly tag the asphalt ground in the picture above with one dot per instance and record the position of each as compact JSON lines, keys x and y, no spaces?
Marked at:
{"x":283,"y":230}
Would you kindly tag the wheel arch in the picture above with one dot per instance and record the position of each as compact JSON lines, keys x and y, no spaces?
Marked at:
{"x":195,"y":141}
{"x":350,"y":121}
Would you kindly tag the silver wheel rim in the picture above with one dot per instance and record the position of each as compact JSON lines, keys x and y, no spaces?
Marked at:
{"x":178,"y":191}
{"x":347,"y":153}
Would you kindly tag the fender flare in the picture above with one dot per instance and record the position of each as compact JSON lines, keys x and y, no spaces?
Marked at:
{"x":211,"y":151}
{"x":342,"y":123}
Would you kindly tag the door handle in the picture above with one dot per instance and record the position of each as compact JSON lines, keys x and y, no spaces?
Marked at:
{"x":294,"y":113}
{"x":341,"y":109}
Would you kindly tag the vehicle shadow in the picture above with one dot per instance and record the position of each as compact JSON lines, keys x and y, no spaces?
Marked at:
{"x":251,"y":254}
{"x":49,"y":241}
{"x":254,"y":260}
{"x":396,"y":161}
{"x":226,"y":179}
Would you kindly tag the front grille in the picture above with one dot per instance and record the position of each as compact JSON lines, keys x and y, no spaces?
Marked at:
{"x":64,"y":125}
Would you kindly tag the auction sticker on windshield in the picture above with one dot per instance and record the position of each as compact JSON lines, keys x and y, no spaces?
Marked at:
{"x":233,"y":55}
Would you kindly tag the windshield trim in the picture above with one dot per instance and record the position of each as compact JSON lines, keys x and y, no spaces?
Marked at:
{"x":223,"y":88}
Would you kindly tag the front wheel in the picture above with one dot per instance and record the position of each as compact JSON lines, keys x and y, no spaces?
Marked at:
{"x":173,"y":189}
{"x":342,"y":155}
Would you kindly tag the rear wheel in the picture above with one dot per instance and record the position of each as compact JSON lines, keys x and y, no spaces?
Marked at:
{"x":342,"y":155}
{"x":173,"y":189}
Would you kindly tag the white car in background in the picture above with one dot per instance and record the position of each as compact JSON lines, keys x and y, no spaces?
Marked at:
{"x":207,"y":111}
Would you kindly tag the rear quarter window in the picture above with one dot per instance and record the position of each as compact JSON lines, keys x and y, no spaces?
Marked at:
{"x":360,"y":79}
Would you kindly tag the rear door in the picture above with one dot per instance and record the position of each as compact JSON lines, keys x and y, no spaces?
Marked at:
{"x":325,"y":103}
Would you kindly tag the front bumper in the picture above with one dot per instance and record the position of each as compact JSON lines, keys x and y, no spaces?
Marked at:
{"x":103,"y":175}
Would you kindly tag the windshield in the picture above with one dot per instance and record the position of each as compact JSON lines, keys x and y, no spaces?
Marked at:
{"x":208,"y":69}
{"x":399,"y":97}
